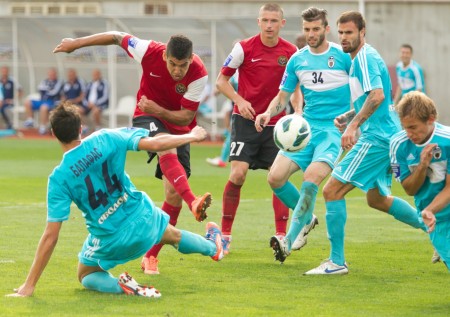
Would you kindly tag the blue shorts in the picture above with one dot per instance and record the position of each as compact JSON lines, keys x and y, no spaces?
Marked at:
{"x":131,"y":242}
{"x":440,"y":238}
{"x":366,"y":166}
{"x":36,"y":104}
{"x":324,"y":146}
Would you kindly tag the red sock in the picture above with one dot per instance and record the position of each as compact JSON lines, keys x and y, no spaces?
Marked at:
{"x":176,"y":175}
{"x":281,"y":215}
{"x":173,"y":212}
{"x":231,"y":197}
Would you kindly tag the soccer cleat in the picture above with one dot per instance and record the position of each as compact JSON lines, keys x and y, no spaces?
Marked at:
{"x":436,"y":257}
{"x":226,"y":242}
{"x":280,"y":249}
{"x":150,"y":265}
{"x":327,"y":268}
{"x":216,"y":162}
{"x":302,"y":237}
{"x":214,"y":234}
{"x":131,"y":287}
{"x":199,"y":206}
{"x":29,"y":123}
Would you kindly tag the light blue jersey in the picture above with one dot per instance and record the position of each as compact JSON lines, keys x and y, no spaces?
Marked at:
{"x":405,"y":157}
{"x":92,"y":175}
{"x":323,"y":81}
{"x":370,"y":72}
{"x":410,"y":78}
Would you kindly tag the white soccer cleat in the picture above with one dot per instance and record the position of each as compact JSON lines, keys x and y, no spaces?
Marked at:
{"x":328,"y":268}
{"x":279,"y":244}
{"x":301,"y":239}
{"x":131,"y":287}
{"x":216,"y":161}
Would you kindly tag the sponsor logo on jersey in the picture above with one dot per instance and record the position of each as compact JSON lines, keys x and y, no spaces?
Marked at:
{"x":132,"y":41}
{"x":282,"y":60}
{"x":256,"y":60}
{"x":331,"y":61}
{"x":180,"y":88}
{"x":410,"y":157}
{"x":228,"y":60}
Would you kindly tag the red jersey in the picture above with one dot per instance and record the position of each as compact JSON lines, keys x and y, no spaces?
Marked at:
{"x":157,"y":84}
{"x":261,"y":69}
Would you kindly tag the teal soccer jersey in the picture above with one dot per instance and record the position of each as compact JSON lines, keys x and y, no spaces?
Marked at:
{"x":323,"y":81}
{"x":410,"y":78}
{"x":405,"y":157}
{"x":370,"y":72}
{"x":92,"y":175}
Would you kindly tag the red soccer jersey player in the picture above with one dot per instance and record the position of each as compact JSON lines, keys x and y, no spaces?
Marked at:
{"x":260,"y":61}
{"x":167,"y":101}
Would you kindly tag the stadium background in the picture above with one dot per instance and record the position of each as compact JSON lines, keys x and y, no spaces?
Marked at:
{"x":29,"y":30}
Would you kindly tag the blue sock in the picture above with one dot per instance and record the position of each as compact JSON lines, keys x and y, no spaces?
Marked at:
{"x":288,"y":194}
{"x":303,"y":210}
{"x":225,"y":153}
{"x":194,"y":243}
{"x":404,"y":212}
{"x":336,"y":217}
{"x":102,"y":282}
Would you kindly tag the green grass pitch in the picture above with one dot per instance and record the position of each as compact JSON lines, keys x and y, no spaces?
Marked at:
{"x":390,"y":269}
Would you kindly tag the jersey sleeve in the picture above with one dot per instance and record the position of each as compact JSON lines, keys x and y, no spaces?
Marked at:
{"x":233,"y":61}
{"x":130,"y":137}
{"x":370,"y":73}
{"x":58,"y":201}
{"x":399,"y":164}
{"x":135,"y":47}
{"x":193,"y":95}
{"x":289,"y":80}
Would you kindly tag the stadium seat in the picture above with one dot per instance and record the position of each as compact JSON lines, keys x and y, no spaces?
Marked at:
{"x":126,"y":106}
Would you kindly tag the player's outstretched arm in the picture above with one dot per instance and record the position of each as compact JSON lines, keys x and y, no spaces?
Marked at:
{"x":169,"y":141}
{"x":69,"y":45}
{"x":43,"y":253}
{"x":276,"y":106}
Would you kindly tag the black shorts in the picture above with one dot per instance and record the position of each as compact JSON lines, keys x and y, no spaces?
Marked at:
{"x":155,"y":127}
{"x":248,"y":145}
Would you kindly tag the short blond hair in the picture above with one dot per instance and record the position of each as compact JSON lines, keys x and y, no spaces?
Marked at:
{"x":272,"y":7}
{"x":416,"y":104}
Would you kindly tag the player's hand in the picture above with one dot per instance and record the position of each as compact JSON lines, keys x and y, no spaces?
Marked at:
{"x":427,"y":154}
{"x":199,"y":133}
{"x":340,"y":122}
{"x":246,"y":109}
{"x":22,"y":291}
{"x":147,"y":105}
{"x":348,"y":138}
{"x":67,"y":45}
{"x":429,"y":219}
{"x":261,"y":121}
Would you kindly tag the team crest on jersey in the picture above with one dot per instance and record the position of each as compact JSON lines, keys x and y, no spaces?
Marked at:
{"x":331,"y":61}
{"x":180,"y":89}
{"x":282,"y":60}
{"x":132,"y":41}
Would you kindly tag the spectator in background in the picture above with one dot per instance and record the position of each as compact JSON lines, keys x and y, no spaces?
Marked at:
{"x":97,"y":98}
{"x":73,"y":91}
{"x":409,"y":74}
{"x":50,"y":94}
{"x":7,"y":87}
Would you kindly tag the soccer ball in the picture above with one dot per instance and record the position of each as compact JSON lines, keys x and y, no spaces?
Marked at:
{"x":292,"y":133}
